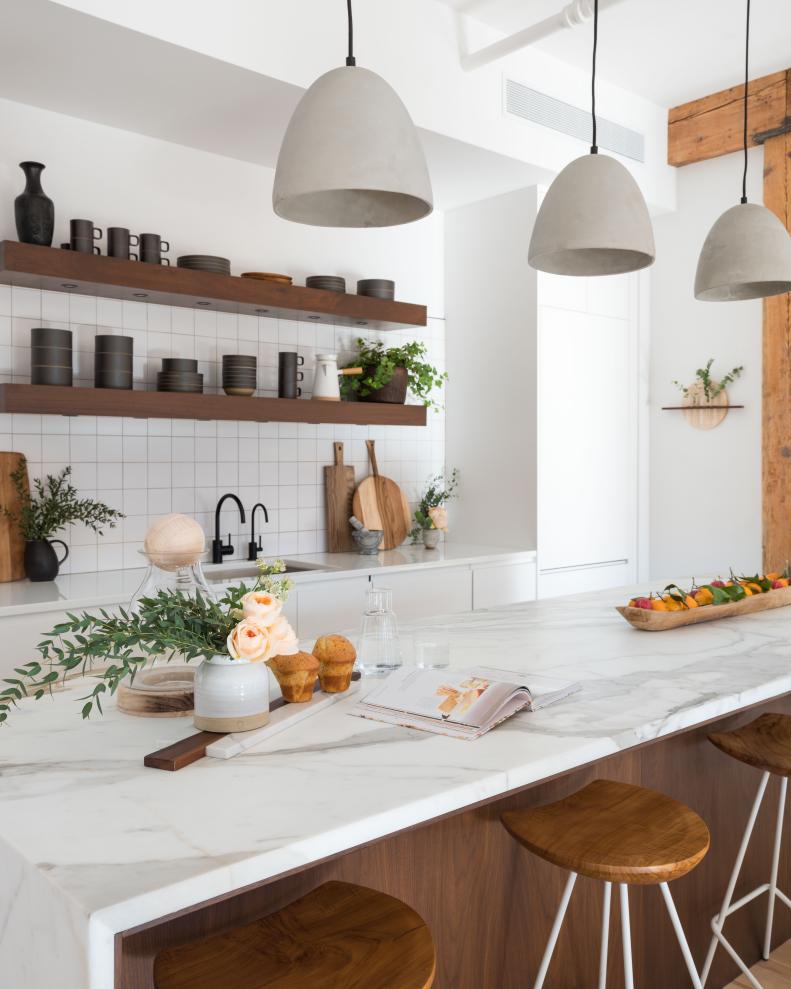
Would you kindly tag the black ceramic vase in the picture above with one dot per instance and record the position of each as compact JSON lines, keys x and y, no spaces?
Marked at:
{"x":41,"y":560}
{"x":33,"y":210}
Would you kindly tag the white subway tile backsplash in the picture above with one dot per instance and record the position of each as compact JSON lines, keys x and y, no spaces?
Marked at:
{"x":147,"y":468}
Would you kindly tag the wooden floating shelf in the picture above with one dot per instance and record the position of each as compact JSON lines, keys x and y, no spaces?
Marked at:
{"x":87,"y":274}
{"x":698,"y":408}
{"x":55,"y":400}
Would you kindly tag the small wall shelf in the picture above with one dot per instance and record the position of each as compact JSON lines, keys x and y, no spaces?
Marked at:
{"x":692,"y":408}
{"x":87,"y":274}
{"x":54,"y":400}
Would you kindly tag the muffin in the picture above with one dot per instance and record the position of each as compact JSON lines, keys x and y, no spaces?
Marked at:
{"x":336,"y":656}
{"x":296,"y":675}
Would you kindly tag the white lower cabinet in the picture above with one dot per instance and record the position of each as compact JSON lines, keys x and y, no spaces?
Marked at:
{"x":503,"y":583}
{"x":327,"y":605}
{"x":423,"y":593}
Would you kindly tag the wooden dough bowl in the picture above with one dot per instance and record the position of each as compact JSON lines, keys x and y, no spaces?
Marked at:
{"x":660,"y":621}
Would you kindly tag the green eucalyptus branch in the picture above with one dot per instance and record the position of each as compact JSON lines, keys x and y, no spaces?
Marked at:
{"x":114,"y":647}
{"x":711,"y":388}
{"x":53,"y":505}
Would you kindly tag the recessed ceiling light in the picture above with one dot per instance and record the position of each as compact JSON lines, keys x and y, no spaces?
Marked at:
{"x":203,"y":303}
{"x":362,"y":322}
{"x":314,"y":317}
{"x":140,"y":295}
{"x":68,"y":285}
{"x":262,"y":311}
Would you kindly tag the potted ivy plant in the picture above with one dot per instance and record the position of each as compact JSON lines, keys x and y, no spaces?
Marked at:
{"x":431,"y":516}
{"x":389,"y":372}
{"x":39,"y":515}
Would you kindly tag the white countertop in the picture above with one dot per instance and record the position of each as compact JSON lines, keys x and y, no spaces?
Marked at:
{"x":92,"y":843}
{"x":112,"y":587}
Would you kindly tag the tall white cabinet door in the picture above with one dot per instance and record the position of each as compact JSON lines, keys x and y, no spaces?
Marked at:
{"x":588,"y":376}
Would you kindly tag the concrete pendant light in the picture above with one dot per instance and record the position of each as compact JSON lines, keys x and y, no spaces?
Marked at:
{"x":351,"y":156}
{"x":593,"y":220}
{"x":747,"y":254}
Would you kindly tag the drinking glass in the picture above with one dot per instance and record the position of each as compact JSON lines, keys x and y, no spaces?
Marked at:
{"x":380,"y":650}
{"x":432,"y":649}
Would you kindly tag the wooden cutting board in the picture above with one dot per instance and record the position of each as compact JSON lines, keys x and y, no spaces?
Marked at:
{"x":12,"y":543}
{"x":379,"y":503}
{"x":339,"y":487}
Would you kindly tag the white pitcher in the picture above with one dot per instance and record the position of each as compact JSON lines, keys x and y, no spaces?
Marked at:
{"x":325,"y":380}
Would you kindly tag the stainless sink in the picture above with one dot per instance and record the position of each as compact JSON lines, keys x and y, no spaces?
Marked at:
{"x":219,"y":573}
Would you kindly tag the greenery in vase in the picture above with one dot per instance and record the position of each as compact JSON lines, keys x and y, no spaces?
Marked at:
{"x":430,"y":513}
{"x":54,"y":504}
{"x":711,"y":388}
{"x":379,"y":365}
{"x":114,"y":647}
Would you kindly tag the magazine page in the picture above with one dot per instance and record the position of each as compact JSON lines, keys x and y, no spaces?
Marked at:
{"x":457,"y":696}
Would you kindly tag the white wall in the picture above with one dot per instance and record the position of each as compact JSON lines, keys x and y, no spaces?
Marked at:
{"x":202,"y":203}
{"x":705,"y":485}
{"x":490,"y":294}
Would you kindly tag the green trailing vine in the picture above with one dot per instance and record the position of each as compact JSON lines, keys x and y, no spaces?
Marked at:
{"x":379,"y":365}
{"x":114,"y":647}
{"x":53,"y":505}
{"x":711,"y":388}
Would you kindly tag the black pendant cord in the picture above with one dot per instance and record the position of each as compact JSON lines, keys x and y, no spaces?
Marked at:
{"x":746,"y":87}
{"x":594,"y":146}
{"x":350,"y":59}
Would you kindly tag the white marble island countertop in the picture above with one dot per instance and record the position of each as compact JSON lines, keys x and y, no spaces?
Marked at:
{"x":92,"y":843}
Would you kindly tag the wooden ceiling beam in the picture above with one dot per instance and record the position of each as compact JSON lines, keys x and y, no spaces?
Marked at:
{"x":713,"y":126}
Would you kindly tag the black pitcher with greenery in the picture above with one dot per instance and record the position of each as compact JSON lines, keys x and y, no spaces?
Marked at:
{"x":389,"y":372}
{"x":52,"y":506}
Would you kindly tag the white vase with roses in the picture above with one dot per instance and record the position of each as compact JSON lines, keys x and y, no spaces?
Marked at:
{"x":232,"y":689}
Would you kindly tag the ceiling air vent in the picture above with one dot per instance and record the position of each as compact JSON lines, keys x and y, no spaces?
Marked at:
{"x":545,"y":110}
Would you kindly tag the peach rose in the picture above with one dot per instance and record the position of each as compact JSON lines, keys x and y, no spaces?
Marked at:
{"x":283,"y":638}
{"x":250,"y":640}
{"x":261,"y":606}
{"x":439,"y":516}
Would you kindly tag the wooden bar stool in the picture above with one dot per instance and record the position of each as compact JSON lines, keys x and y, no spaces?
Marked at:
{"x":764,"y":744}
{"x":338,"y":936}
{"x":617,"y":833}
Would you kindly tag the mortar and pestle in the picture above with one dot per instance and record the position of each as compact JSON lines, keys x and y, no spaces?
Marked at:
{"x":367,"y":540}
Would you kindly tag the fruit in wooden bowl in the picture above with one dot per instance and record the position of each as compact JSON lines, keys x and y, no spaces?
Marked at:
{"x":675,"y":607}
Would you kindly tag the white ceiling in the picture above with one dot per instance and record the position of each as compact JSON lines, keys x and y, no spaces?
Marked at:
{"x":138,"y":83}
{"x":668,"y":51}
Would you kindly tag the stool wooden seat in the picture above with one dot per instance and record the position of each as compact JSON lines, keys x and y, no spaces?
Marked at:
{"x":615,"y":832}
{"x":339,"y":936}
{"x":764,"y":744}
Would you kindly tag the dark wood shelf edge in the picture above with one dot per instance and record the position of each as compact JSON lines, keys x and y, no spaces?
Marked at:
{"x":55,"y":400}
{"x":697,"y":408}
{"x":57,"y":270}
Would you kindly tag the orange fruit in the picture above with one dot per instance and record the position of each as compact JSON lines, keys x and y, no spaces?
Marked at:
{"x":690,"y":601}
{"x":659,"y":605}
{"x":703,"y":597}
{"x":671,"y":604}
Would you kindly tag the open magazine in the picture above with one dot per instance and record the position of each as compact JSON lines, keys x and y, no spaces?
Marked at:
{"x":458,"y":703}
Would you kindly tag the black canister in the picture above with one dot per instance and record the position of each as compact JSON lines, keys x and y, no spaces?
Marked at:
{"x":288,"y":374}
{"x":112,"y":364}
{"x":50,"y":356}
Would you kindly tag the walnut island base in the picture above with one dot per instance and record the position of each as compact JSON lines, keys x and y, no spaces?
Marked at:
{"x":489,"y":906}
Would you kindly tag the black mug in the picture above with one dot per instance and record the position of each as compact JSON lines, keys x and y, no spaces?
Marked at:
{"x":151,"y":247}
{"x":82,"y":236}
{"x":288,"y":375}
{"x":119,"y":240}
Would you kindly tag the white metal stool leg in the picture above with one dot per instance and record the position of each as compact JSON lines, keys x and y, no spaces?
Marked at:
{"x":605,"y":935}
{"x":775,"y":865}
{"x":719,"y":920}
{"x":626,"y":937}
{"x":680,"y":936}
{"x":553,"y":937}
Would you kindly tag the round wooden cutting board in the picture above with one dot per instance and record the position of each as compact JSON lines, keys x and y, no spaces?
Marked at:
{"x":379,"y":503}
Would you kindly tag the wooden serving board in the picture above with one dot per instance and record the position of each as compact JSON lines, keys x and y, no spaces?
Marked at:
{"x":161,"y":692}
{"x":12,"y":543}
{"x":191,"y":749}
{"x":379,"y":503}
{"x":661,"y":621}
{"x":339,"y":487}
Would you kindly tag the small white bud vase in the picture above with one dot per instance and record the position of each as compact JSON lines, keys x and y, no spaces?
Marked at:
{"x":231,"y":695}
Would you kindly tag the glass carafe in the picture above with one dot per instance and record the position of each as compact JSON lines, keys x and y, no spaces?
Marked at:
{"x":379,"y":650}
